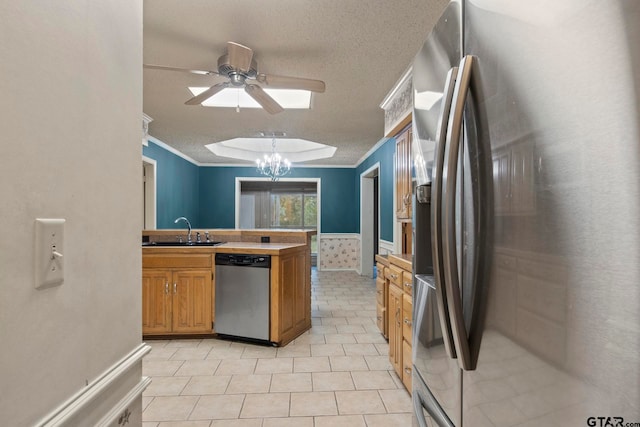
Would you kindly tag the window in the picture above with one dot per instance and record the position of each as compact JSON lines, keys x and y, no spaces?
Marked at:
{"x":281,"y":204}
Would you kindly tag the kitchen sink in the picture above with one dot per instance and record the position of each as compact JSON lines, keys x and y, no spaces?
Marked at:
{"x":181,"y":243}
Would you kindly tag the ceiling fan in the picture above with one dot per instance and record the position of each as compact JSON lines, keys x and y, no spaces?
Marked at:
{"x":239,"y":66}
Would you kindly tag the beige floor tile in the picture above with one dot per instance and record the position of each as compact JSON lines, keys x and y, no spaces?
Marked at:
{"x":340,"y":339}
{"x":290,"y":382}
{"x":350,"y":329}
{"x":152,"y":424}
{"x":295,"y":350}
{"x":206,"y":385}
{"x":370,"y":338}
{"x":373,"y":380}
{"x":312,"y":404}
{"x":145,"y":401}
{"x":278,"y":365}
{"x":190,"y":353}
{"x":248,"y":422}
{"x":360,"y":349}
{"x":309,"y":339}
{"x":265,"y":405}
{"x":185,"y":424}
{"x":215,"y":343}
{"x":331,"y":329}
{"x":198,"y":367}
{"x":166,"y":386}
{"x":332,"y":381}
{"x":249,"y":384}
{"x":170,"y":408}
{"x":160,"y":353}
{"x":334,"y":321}
{"x":383,"y":349}
{"x":327,"y":350}
{"x":378,"y":363}
{"x":288,"y":422}
{"x":396,"y":401}
{"x":160,"y":368}
{"x":363,"y":321}
{"x":348,"y":363}
{"x":225,"y":353}
{"x":184,"y":343}
{"x":236,"y":367}
{"x":388,"y":420}
{"x":371,"y":328}
{"x":258,"y":352}
{"x":359,"y":402}
{"x":218,"y":407}
{"x":340,"y":421}
{"x":311,"y":364}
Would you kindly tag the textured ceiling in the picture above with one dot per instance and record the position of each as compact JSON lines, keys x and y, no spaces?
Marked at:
{"x":360,"y":48}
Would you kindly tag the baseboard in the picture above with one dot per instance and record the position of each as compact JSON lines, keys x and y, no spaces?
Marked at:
{"x":106,"y":397}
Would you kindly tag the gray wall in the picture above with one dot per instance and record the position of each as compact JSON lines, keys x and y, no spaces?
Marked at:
{"x":70,"y":114}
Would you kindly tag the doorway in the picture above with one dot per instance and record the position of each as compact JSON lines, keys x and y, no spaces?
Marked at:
{"x":369,"y":219}
{"x":149,"y":174}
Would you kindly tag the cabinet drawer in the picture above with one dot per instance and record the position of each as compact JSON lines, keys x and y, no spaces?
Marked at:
{"x":407,"y":282}
{"x":406,"y":365}
{"x":407,"y":317}
{"x":177,"y":261}
{"x":380,"y":291}
{"x":395,"y":275}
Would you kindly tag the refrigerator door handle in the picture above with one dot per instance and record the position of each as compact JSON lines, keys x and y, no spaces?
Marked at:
{"x":450,"y":172}
{"x":436,"y":209}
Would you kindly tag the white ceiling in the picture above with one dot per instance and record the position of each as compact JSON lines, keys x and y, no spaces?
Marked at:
{"x":360,"y":48}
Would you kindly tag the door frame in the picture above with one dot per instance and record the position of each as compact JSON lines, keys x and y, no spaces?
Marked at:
{"x":150,"y":207}
{"x":366,"y":219}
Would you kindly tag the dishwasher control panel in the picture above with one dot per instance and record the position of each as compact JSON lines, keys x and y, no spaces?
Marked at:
{"x":263,"y":261}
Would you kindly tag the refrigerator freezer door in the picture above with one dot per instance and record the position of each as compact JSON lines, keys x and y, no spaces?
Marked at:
{"x":432,"y":365}
{"x":562,"y":332}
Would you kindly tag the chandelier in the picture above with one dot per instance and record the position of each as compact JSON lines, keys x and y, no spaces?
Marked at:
{"x":273,"y":166}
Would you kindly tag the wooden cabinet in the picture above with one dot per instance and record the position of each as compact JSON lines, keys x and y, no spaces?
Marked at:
{"x":403,"y":175}
{"x":401,"y":316}
{"x":290,"y":296}
{"x":382,"y":295}
{"x":177,"y":294}
{"x":395,"y":328}
{"x":176,"y":301}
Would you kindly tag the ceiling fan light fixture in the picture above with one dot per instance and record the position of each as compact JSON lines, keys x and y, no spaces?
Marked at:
{"x":233,"y":97}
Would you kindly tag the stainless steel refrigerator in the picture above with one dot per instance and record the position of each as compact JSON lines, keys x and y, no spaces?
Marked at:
{"x":527,"y":216}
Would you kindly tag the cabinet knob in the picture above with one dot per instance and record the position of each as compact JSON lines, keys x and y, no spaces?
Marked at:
{"x":175,"y":288}
{"x":407,"y":370}
{"x":166,"y":288}
{"x":407,"y":321}
{"x":408,"y":285}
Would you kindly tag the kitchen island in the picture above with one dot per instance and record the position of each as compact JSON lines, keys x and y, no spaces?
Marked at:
{"x":178,"y":283}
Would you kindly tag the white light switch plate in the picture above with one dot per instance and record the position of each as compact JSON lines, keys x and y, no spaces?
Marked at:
{"x":49,"y":252}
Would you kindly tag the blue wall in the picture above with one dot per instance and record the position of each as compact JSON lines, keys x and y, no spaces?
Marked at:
{"x":384,"y":155}
{"x":206,"y":195}
{"x":177,"y":186}
{"x":339,"y":210}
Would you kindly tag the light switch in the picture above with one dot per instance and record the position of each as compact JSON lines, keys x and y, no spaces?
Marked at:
{"x":49,"y":252}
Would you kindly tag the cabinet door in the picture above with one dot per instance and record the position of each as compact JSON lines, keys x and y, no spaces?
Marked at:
{"x":407,"y":317}
{"x":406,"y":365}
{"x":156,"y":301}
{"x":192,"y":302}
{"x":395,"y":328}
{"x":403,"y":175}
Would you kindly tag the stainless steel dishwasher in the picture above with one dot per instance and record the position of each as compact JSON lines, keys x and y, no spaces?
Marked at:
{"x":242,"y":291}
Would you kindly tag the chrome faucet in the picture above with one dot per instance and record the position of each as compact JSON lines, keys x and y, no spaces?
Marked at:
{"x":188,"y":225}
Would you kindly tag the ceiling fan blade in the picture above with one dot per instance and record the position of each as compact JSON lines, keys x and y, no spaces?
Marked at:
{"x":284,"y":82}
{"x":184,"y":70}
{"x":263,"y":98}
{"x":200,"y":98}
{"x":239,"y":56}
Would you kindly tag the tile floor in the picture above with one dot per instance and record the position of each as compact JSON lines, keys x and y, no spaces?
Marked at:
{"x":337,"y":374}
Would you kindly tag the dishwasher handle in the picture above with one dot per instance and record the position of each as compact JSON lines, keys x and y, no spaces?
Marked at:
{"x":244,"y":260}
